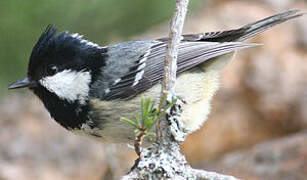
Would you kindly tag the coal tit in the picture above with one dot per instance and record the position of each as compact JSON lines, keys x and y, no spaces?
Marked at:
{"x":87,"y":88}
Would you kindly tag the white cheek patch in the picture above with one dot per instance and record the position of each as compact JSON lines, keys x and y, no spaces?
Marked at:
{"x":69,"y":85}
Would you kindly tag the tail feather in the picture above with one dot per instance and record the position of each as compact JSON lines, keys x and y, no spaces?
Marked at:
{"x":246,"y":31}
{"x":267,"y":23}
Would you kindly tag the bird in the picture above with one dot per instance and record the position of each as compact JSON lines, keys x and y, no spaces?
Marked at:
{"x":87,"y":88}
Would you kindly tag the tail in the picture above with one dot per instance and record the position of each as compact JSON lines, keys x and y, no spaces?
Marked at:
{"x":246,"y":31}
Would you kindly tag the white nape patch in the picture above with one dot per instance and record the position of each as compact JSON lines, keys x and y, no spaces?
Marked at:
{"x":69,"y":85}
{"x":77,"y":36}
{"x":91,"y":44}
{"x":86,"y":42}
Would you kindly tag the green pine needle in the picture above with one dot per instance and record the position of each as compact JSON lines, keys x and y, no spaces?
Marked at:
{"x":150,"y":113}
{"x":129,"y":121}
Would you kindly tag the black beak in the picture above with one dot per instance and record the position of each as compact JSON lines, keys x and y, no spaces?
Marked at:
{"x":22,"y":84}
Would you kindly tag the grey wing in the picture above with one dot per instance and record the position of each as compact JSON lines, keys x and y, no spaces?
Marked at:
{"x":142,"y":67}
{"x":122,"y":65}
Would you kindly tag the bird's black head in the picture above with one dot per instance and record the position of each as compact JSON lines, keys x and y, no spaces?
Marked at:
{"x":61,"y":70}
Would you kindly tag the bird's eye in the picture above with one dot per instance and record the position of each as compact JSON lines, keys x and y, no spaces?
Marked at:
{"x":51,"y":70}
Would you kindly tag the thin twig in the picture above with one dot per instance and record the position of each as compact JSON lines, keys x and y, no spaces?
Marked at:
{"x":170,"y":63}
{"x":139,"y":140}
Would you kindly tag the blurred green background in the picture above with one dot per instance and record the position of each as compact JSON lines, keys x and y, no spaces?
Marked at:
{"x":100,"y":21}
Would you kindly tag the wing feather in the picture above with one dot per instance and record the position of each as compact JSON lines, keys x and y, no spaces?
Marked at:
{"x":190,"y":55}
